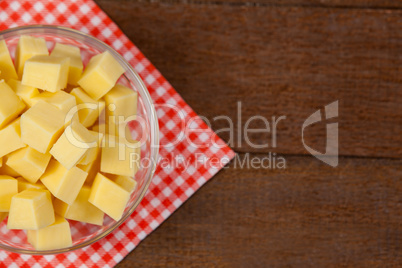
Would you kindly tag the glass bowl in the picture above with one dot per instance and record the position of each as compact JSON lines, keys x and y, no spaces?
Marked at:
{"x":144,"y":128}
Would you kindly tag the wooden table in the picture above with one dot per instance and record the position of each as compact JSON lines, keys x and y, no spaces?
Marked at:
{"x":291,"y":58}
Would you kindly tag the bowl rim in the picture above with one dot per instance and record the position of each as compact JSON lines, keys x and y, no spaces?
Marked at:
{"x":154,"y":134}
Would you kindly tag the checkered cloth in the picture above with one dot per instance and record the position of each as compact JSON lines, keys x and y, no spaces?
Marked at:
{"x":186,"y":163}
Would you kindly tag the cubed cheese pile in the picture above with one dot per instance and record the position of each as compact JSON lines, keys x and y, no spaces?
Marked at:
{"x":60,"y":159}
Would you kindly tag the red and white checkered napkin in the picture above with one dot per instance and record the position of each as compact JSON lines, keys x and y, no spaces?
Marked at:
{"x":186,"y":162}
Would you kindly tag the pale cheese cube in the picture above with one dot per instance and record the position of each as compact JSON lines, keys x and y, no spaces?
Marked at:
{"x":89,"y":109}
{"x":120,"y":157}
{"x":63,"y":101}
{"x":81,"y":210}
{"x":71,"y":147}
{"x":64,"y":184}
{"x":76,"y":66}
{"x":6,"y":170}
{"x":28,"y":46}
{"x":6,"y":63}
{"x":100,"y":75}
{"x":10,"y":138}
{"x":8,"y":188}
{"x":92,"y":169}
{"x":23,"y":185}
{"x":121,"y":102}
{"x":41,"y":126}
{"x":10,"y":104}
{"x":31,"y":209}
{"x":93,"y":152}
{"x":28,"y":162}
{"x":26,"y":93}
{"x":125,"y":182}
{"x":54,"y":236}
{"x":46,"y":72}
{"x":109,"y":197}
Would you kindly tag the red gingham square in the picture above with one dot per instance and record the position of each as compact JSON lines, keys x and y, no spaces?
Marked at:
{"x":172,"y":184}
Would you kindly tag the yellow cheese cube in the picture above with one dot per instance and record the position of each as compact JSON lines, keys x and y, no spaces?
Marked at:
{"x":76,"y":66}
{"x":119,"y":157}
{"x":6,"y":170}
{"x":55,"y":236}
{"x":127,"y":183}
{"x":100,"y":75}
{"x":26,"y":93}
{"x":28,"y":162}
{"x":81,"y":210}
{"x":23,"y":185}
{"x":31,"y":209}
{"x":46,"y":72}
{"x":63,"y":183}
{"x":88,"y":108}
{"x":10,"y":104}
{"x":92,"y":169}
{"x":41,"y":126}
{"x":120,"y":101}
{"x":63,"y":101}
{"x":28,"y":47}
{"x":3,"y":215}
{"x":6,"y":63}
{"x":120,"y":130}
{"x":10,"y":138}
{"x":71,"y":147}
{"x":109,"y":197}
{"x":93,"y":152}
{"x":8,"y":188}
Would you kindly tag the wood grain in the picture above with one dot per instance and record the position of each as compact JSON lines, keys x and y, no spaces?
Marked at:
{"x":280,"y":61}
{"x":360,"y":4}
{"x":309,"y":215}
{"x":290,"y":58}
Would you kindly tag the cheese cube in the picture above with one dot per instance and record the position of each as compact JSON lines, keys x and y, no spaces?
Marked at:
{"x":55,"y":236}
{"x":63,"y":183}
{"x":127,"y":183}
{"x":8,"y":188}
{"x":71,"y":147}
{"x":120,"y":130}
{"x":120,"y":101}
{"x":109,"y":197}
{"x":31,"y":209}
{"x":76,"y":66}
{"x":28,"y":47}
{"x":93,"y":152}
{"x":10,"y":104}
{"x":6,"y":170}
{"x":3,"y":215}
{"x":6,"y":63}
{"x":81,"y":210}
{"x":63,"y":101}
{"x":88,"y":109}
{"x":100,"y":75}
{"x":23,"y":185}
{"x":92,"y":169}
{"x":46,"y":72}
{"x":26,"y":93}
{"x":28,"y":162}
{"x":46,"y":122}
{"x":10,"y":138}
{"x":120,"y":157}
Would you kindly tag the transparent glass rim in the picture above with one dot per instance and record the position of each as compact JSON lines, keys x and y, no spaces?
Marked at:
{"x":148,"y":104}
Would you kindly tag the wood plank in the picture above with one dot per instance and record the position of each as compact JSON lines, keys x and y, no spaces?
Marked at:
{"x":280,"y":61}
{"x":306,"y":215}
{"x":361,"y":4}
